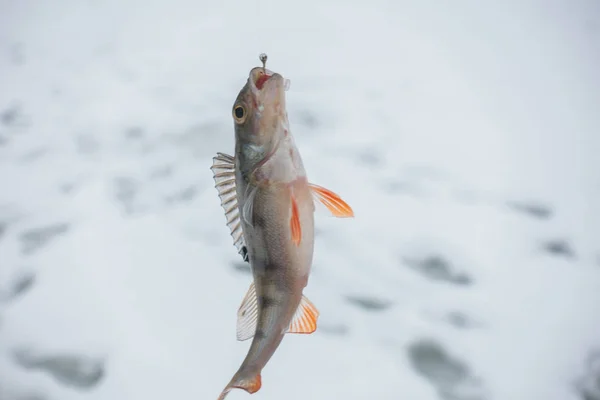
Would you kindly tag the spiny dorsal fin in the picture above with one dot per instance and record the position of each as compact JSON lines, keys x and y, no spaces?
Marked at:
{"x":305,"y":319}
{"x":334,"y":203}
{"x":247,"y":316}
{"x":224,"y":175}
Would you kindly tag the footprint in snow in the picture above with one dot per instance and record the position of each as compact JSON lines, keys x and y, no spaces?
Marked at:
{"x":73,"y":370}
{"x":588,"y":385}
{"x":11,"y":115}
{"x":12,"y":121}
{"x":18,"y":286}
{"x":37,"y":238}
{"x":532,"y":209}
{"x":559,"y":248}
{"x":450,"y":376}
{"x":368,"y":303}
{"x":461,"y":320}
{"x":455,"y":318}
{"x":438,"y":268}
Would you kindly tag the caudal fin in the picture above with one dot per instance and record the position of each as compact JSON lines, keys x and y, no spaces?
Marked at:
{"x":224,"y":393}
{"x":249,"y":385}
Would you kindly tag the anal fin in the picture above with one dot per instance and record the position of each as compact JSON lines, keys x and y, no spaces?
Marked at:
{"x":305,"y":319}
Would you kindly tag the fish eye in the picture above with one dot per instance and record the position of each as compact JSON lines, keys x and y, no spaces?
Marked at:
{"x":239,"y":113}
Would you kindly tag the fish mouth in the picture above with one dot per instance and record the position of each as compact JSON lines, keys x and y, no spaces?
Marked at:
{"x":258,"y":77}
{"x":262,"y":81}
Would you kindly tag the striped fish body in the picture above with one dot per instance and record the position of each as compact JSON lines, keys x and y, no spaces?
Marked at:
{"x":269,"y":205}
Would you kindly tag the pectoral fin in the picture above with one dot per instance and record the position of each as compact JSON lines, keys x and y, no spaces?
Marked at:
{"x":334,"y":203}
{"x":295,"y":227}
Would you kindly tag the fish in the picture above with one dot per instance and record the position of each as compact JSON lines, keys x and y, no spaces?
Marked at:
{"x":269,"y":206}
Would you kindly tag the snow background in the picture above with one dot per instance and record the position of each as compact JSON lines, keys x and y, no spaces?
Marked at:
{"x":465,"y":136}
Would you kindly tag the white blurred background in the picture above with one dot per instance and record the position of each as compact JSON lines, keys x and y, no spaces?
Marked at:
{"x":464,"y":134}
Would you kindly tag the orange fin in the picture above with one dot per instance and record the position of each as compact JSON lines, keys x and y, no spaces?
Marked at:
{"x":305,"y":319}
{"x":295,"y":223}
{"x":334,"y":203}
{"x":251,"y":386}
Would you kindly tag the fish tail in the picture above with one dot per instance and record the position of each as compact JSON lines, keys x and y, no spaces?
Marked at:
{"x":224,"y":393}
{"x":251,"y":385}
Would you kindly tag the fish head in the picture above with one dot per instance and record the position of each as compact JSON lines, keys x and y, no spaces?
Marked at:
{"x":259,"y":111}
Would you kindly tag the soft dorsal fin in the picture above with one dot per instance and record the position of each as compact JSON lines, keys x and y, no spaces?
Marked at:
{"x":334,"y":203}
{"x":247,"y":316}
{"x":224,"y":175}
{"x":305,"y":319}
